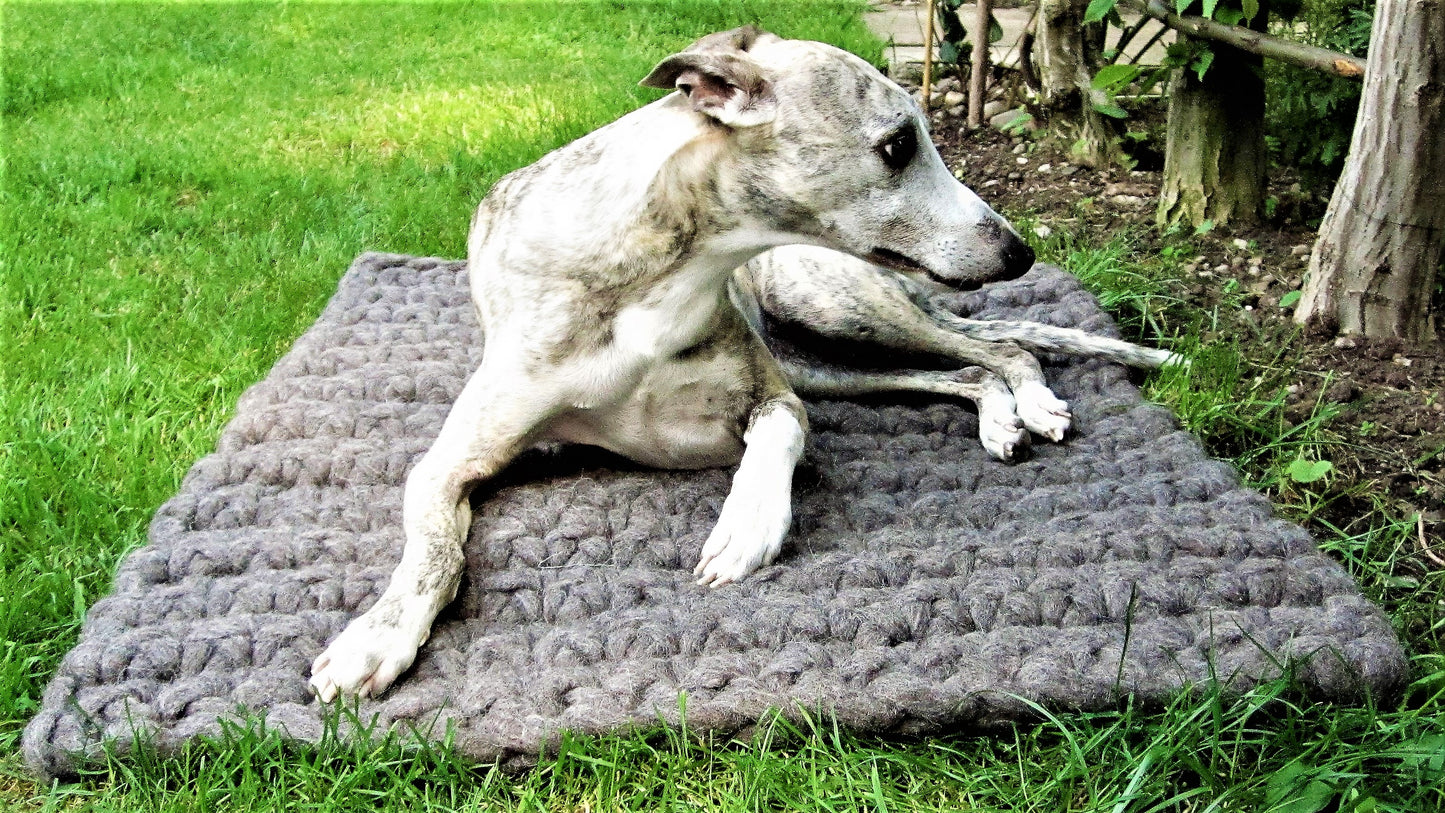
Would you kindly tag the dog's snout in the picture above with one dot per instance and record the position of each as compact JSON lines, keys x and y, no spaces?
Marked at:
{"x":1018,"y":258}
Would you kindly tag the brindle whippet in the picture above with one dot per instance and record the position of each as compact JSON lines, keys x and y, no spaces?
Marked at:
{"x":619,"y":286}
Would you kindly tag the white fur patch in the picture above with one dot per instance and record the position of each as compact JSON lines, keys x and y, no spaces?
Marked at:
{"x":1041,"y":411}
{"x":759,"y":508}
{"x":999,"y":428}
{"x":365,"y":659}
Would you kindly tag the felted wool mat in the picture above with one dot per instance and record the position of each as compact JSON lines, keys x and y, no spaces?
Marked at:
{"x":923,"y":585}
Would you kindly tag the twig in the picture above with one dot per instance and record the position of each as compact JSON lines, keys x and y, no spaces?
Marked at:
{"x":1425,"y":546}
{"x":1026,"y":56}
{"x":1128,"y":36}
{"x":1158,"y":35}
{"x":928,"y":59}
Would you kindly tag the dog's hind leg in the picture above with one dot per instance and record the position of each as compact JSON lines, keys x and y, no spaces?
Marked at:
{"x":850,"y":299}
{"x":999,"y":428}
{"x":486,"y":428}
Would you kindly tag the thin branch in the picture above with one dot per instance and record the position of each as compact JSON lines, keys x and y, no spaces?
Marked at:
{"x":1158,"y":35}
{"x":976,"y":82}
{"x":1128,"y":36}
{"x":1295,"y":53}
{"x":928,"y":60}
{"x":1026,"y":51}
{"x":1425,"y":546}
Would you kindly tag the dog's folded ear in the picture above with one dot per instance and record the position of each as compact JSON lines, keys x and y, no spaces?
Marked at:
{"x":738,"y":39}
{"x":720,"y":80}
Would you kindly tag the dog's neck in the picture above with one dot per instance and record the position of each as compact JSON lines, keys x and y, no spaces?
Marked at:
{"x":667,"y":198}
{"x":651,"y":234}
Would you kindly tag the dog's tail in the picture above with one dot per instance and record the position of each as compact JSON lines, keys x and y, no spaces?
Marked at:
{"x":1066,"y":340}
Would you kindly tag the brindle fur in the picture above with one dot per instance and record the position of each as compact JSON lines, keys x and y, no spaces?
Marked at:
{"x":604,"y":280}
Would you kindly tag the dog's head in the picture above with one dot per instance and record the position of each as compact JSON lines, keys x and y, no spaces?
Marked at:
{"x":833,"y":153}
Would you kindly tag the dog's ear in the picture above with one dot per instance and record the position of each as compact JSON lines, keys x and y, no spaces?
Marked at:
{"x":738,"y":39}
{"x":717,"y":76}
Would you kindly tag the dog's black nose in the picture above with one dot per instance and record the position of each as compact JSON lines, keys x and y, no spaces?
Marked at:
{"x":1018,"y":258}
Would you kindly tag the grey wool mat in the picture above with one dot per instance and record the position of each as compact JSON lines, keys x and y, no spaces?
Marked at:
{"x":925,"y":586}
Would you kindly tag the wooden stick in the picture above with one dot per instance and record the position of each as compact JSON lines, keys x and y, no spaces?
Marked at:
{"x":978,"y":79}
{"x":1425,"y":546}
{"x":928,"y":59}
{"x":1295,"y":53}
{"x":1026,"y":58}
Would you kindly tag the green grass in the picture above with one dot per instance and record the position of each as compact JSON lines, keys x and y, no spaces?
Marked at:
{"x":183,"y":186}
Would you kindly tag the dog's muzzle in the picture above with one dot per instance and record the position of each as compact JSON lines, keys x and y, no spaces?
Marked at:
{"x":898,"y":262}
{"x":1018,"y":258}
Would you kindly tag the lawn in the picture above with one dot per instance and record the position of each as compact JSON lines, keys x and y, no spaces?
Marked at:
{"x":184,"y":184}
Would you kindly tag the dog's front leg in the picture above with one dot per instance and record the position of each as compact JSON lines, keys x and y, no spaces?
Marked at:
{"x":999,"y":428}
{"x":759,"y":508}
{"x":486,"y":428}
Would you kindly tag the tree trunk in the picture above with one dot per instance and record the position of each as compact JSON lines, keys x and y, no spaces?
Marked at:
{"x":1066,"y":51}
{"x":978,"y":80}
{"x":1214,"y":154}
{"x":1377,"y":260}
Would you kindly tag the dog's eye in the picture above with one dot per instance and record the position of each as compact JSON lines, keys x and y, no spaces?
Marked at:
{"x":899,"y":148}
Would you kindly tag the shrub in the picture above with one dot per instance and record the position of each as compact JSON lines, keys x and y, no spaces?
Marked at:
{"x":1311,"y":115}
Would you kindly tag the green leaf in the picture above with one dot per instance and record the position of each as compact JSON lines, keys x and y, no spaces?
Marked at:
{"x":1313,"y":798}
{"x":995,"y":31}
{"x":1180,"y":5}
{"x":1251,"y":8}
{"x":1425,"y":753}
{"x":1289,"y":299}
{"x":1114,"y":76}
{"x":1209,"y":8}
{"x":1152,"y":78}
{"x":1308,"y":471}
{"x":1202,"y":63}
{"x":1282,"y":782}
{"x":1297,"y":789}
{"x":1229,"y":16}
{"x":1205,"y":227}
{"x":1098,"y":10}
{"x":947,"y":52}
{"x":1112,"y":110}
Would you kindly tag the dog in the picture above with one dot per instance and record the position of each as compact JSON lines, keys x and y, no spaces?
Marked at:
{"x":620,"y":287}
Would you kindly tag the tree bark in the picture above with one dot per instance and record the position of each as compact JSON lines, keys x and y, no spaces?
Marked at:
{"x":1214,"y":154}
{"x":1066,"y":50}
{"x":1375,"y":265}
{"x":978,"y":80}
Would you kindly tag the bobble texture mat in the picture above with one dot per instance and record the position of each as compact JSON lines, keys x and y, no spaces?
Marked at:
{"x":923,"y":583}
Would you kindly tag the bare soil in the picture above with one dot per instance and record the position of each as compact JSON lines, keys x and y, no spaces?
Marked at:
{"x":1390,"y":397}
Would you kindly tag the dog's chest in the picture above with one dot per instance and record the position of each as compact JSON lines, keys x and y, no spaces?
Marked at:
{"x":686,"y":411}
{"x":673,"y":388}
{"x":652,"y":333}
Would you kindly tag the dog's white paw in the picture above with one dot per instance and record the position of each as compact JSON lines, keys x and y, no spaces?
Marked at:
{"x":1042,"y":412}
{"x":364,"y":659}
{"x":999,"y":429}
{"x":749,"y":533}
